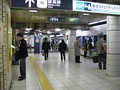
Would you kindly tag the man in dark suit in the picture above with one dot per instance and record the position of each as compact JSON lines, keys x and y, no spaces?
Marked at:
{"x":62,"y":49}
{"x":46,"y":48}
{"x":23,"y":53}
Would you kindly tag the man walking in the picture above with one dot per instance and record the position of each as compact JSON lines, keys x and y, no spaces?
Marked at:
{"x":45,"y":48}
{"x":100,"y":52}
{"x":23,"y":53}
{"x":62,"y":49}
{"x":77,"y":50}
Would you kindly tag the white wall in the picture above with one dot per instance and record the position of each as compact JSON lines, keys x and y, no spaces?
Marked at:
{"x":95,"y":30}
{"x":30,"y":40}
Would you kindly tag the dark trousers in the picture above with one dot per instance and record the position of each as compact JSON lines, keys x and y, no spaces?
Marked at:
{"x":85,"y":53}
{"x":101,"y":58}
{"x":23,"y":67}
{"x":62,"y":54}
{"x":46,"y":54}
{"x":77,"y":58}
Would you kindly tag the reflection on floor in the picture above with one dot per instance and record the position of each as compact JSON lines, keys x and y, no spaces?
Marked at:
{"x":66,"y":75}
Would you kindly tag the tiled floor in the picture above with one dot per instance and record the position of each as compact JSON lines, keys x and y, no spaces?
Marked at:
{"x":67,"y":75}
{"x":31,"y":82}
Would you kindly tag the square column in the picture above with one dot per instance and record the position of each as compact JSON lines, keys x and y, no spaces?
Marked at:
{"x":113,"y":46}
{"x":72,"y":39}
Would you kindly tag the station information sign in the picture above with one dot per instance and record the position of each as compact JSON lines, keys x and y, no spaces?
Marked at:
{"x":63,"y":20}
{"x":96,"y":7}
{"x":48,"y":4}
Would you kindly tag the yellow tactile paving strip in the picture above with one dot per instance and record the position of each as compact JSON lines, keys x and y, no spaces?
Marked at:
{"x":42,"y":78}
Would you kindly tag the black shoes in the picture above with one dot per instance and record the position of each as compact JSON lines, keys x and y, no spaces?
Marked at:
{"x":103,"y":68}
{"x":78,"y":62}
{"x":21,"y":78}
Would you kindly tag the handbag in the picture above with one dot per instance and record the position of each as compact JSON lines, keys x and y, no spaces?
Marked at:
{"x":84,"y":49}
{"x":17,"y":57}
{"x":95,"y":59}
{"x":42,"y":52}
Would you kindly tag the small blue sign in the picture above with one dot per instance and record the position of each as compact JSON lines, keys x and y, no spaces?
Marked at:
{"x":79,"y":5}
{"x":87,"y":6}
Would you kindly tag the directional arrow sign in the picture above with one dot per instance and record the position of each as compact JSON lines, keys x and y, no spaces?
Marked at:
{"x":29,"y":2}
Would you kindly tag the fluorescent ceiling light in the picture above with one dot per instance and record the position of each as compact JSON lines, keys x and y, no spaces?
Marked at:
{"x":26,"y":32}
{"x":28,"y":29}
{"x":57,"y":29}
{"x":48,"y":32}
{"x":103,"y":20}
{"x":32,"y":10}
{"x":97,"y":22}
{"x":86,"y":14}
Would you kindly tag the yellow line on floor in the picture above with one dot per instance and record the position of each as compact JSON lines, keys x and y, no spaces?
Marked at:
{"x":42,"y":78}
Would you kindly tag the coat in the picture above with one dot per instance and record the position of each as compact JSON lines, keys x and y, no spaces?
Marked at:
{"x":62,"y":46}
{"x":45,"y":46}
{"x":77,"y":48}
{"x":23,"y":52}
{"x":100,"y":47}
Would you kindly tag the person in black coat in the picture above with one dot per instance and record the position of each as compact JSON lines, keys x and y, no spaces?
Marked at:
{"x":46,"y":48}
{"x":85,"y":48}
{"x":62,"y":49}
{"x":23,"y":53}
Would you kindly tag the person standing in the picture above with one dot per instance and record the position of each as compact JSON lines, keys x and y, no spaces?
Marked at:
{"x":100,"y":52}
{"x":85,"y":48}
{"x":52,"y":45}
{"x":90,"y":47}
{"x":23,"y":53}
{"x":77,"y":50}
{"x":62,"y":49}
{"x":46,"y":48}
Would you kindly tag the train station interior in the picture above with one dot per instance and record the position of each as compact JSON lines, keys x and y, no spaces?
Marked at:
{"x":59,"y":20}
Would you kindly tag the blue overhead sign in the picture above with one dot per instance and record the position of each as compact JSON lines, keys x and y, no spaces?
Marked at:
{"x":48,"y":4}
{"x":96,"y":7}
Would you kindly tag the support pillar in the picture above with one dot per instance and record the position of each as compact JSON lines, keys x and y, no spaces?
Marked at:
{"x":65,"y":38}
{"x":72,"y":39}
{"x":113,"y":46}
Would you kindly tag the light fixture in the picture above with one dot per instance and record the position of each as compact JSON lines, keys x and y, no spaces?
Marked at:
{"x":28,"y":29}
{"x":57,"y":29}
{"x":26,"y":32}
{"x":97,"y":22}
{"x":32,"y":10}
{"x":48,"y":32}
{"x":86,"y":14}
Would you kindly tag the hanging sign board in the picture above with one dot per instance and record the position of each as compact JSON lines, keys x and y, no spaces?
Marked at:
{"x":48,"y":4}
{"x":1,"y":34}
{"x":63,"y":20}
{"x":96,"y":7}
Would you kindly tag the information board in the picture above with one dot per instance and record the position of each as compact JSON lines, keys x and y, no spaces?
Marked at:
{"x":63,"y":20}
{"x":96,"y":7}
{"x":48,"y":4}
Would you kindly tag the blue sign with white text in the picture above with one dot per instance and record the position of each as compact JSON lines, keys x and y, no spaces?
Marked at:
{"x":96,"y":7}
{"x":87,"y":6}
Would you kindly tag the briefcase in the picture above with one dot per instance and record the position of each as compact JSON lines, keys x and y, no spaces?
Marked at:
{"x":17,"y":57}
{"x":95,"y":59}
